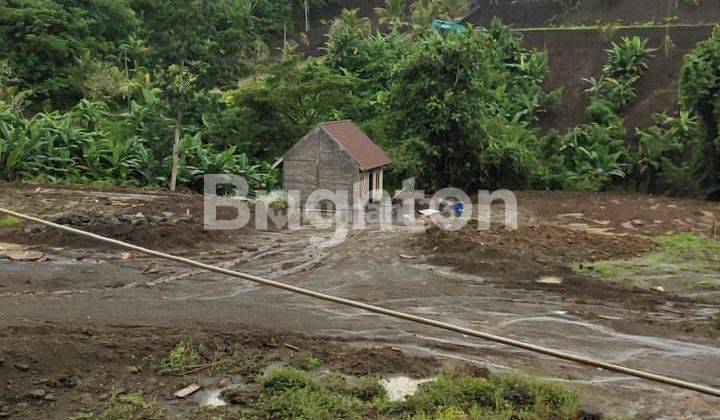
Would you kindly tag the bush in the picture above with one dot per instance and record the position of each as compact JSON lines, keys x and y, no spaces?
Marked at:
{"x":367,"y":388}
{"x":626,"y":63}
{"x":285,"y":379}
{"x":699,"y":86}
{"x":510,"y":396}
{"x":594,"y":156}
{"x":661,"y":156}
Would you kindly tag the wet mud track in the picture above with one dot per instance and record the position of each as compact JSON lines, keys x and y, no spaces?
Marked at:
{"x":487,"y":282}
{"x":383,"y":268}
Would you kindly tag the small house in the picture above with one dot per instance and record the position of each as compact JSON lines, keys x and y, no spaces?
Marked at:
{"x":335,"y":156}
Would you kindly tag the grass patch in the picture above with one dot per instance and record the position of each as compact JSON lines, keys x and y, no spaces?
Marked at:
{"x":181,"y":356}
{"x":293,"y":393}
{"x":7,"y":222}
{"x":306,"y":361}
{"x":685,"y":264}
{"x":126,"y":406}
{"x":684,"y":246}
{"x":510,"y":396}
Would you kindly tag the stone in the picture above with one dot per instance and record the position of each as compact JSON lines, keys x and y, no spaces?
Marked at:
{"x":589,"y":415}
{"x":33,"y":229}
{"x":37,"y":393}
{"x":157,"y":219}
{"x":553,"y":280}
{"x":185,"y":217}
{"x":21,"y":366}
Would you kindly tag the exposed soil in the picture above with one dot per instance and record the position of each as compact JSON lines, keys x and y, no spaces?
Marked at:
{"x":95,"y":362}
{"x":57,"y":201}
{"x":99,"y":307}
{"x":545,"y":243}
{"x":543,"y":12}
{"x":575,"y":54}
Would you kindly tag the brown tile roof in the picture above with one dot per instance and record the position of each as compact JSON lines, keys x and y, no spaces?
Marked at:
{"x":357,"y":144}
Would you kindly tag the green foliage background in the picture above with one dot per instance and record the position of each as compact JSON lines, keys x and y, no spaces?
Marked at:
{"x":92,"y":90}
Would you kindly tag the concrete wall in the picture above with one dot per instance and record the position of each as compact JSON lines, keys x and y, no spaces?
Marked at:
{"x":318,"y":162}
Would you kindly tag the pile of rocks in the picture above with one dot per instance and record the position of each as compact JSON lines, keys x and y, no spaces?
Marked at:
{"x":137,"y":219}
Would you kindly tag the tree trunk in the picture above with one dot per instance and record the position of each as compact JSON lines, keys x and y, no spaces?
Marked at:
{"x":710,"y":176}
{"x":176,"y":151}
{"x":178,"y":129}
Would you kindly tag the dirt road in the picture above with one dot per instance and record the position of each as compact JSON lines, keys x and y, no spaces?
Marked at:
{"x":488,"y":281}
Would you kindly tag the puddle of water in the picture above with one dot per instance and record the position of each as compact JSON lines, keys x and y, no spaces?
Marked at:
{"x":399,"y":387}
{"x":210,"y":397}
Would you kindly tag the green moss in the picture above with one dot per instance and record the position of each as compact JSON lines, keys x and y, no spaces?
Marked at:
{"x":7,"y":222}
{"x":685,"y":264}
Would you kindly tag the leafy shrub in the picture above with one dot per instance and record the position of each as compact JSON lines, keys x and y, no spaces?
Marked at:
{"x":367,"y":388}
{"x":568,"y":5}
{"x":699,"y":87}
{"x":661,"y":163}
{"x":460,"y":110}
{"x":626,"y":63}
{"x":285,"y":379}
{"x":594,"y":155}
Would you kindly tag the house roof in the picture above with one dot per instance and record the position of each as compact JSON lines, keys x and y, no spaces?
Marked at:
{"x":357,"y":144}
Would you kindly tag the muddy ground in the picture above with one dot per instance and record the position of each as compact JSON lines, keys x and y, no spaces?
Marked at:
{"x":102,"y":319}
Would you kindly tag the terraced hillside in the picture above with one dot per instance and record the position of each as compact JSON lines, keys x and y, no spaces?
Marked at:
{"x":525,"y":13}
{"x":576,"y":41}
{"x":578,"y":53}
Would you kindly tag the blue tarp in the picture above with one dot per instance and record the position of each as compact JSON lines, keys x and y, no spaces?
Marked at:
{"x":446,"y":26}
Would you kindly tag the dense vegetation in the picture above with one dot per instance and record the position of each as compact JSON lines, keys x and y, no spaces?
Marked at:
{"x":123,"y":91}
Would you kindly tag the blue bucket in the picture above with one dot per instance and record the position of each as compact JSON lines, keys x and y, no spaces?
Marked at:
{"x":459,"y":209}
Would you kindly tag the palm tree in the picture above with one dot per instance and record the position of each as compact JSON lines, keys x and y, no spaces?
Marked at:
{"x":393,"y":14}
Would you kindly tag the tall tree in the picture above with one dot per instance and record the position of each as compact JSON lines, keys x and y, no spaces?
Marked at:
{"x":207,"y":38}
{"x":44,"y":40}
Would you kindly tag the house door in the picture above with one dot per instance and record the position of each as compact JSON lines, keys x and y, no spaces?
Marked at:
{"x":376,"y":185}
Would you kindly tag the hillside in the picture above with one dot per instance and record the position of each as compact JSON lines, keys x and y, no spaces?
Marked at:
{"x":576,"y":52}
{"x":543,"y":12}
{"x":580,"y":53}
